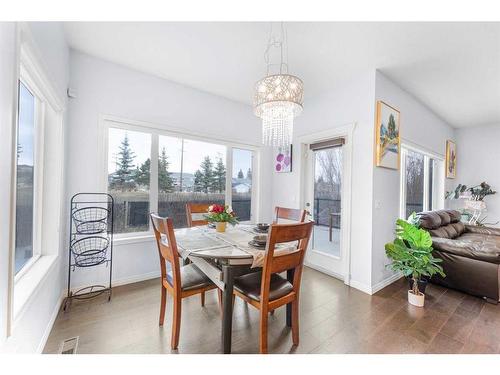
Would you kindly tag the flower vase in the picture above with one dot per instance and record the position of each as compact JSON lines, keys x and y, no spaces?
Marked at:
{"x":220,"y":226}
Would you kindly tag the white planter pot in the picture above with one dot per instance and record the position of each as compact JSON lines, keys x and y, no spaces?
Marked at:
{"x":416,"y":300}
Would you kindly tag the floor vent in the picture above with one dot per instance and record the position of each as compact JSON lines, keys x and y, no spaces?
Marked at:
{"x":69,"y":346}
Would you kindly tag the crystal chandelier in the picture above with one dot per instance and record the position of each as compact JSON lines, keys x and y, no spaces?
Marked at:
{"x":278,"y":97}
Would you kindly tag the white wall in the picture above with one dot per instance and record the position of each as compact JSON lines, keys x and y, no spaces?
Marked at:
{"x":478,"y":160}
{"x":30,"y":328}
{"x":105,"y":88}
{"x":350,"y":101}
{"x":421,"y":127}
{"x":54,"y":52}
{"x":353,"y":101}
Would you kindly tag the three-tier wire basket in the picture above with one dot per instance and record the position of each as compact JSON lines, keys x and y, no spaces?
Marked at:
{"x":90,"y":241}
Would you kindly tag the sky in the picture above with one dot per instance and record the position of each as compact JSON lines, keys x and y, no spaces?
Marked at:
{"x":194,"y":151}
{"x":26,"y":128}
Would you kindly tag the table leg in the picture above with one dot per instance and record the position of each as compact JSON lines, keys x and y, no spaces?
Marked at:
{"x":289,"y":277}
{"x":227,"y":309}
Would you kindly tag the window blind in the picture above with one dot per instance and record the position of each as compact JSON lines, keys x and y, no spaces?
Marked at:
{"x":336,"y":142}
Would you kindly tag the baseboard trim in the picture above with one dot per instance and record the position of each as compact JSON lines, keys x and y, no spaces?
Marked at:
{"x":124,"y":280}
{"x":360,"y":286}
{"x":324,"y":270}
{"x":381,"y":285}
{"x":367,"y":288}
{"x":50,"y":324}
{"x":136,"y":278}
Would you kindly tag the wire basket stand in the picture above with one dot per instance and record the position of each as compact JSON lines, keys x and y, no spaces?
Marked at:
{"x":90,"y":241}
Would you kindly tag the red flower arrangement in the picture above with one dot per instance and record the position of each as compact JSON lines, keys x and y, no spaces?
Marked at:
{"x":218,"y":213}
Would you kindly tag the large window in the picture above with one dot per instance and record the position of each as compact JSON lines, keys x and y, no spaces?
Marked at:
{"x":189,"y":171}
{"x":129,"y":167}
{"x":25,"y":246}
{"x":241,"y":183}
{"x":421,"y":181}
{"x":184,"y":170}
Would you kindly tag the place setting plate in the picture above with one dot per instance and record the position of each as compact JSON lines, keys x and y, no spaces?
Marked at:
{"x":259,"y":242}
{"x":261,"y":228}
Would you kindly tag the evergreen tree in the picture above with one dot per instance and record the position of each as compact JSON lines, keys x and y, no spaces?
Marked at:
{"x":391,"y":127}
{"x":249,"y":174}
{"x":198,"y":177}
{"x":123,"y":178}
{"x":143,"y":173}
{"x":207,"y":180}
{"x":165,"y":180}
{"x":219,"y":177}
{"x":240,"y":174}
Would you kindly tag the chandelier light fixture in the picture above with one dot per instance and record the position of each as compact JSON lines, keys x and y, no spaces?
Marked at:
{"x":278,"y":96}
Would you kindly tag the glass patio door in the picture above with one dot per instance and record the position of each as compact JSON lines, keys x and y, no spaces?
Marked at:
{"x":324,"y":203}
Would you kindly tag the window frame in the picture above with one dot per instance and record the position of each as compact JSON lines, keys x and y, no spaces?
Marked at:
{"x":155,"y":131}
{"x":25,"y":77}
{"x":31,"y":70}
{"x":438,"y":181}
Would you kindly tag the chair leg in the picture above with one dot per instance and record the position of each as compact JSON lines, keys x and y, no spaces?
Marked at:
{"x":295,"y":322}
{"x":163,"y":303}
{"x":176,"y":323}
{"x":263,"y":331}
{"x":202,"y":298}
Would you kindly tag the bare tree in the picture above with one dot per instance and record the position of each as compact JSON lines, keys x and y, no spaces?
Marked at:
{"x":330,"y":163}
{"x":414,"y":182}
{"x":327,"y":184}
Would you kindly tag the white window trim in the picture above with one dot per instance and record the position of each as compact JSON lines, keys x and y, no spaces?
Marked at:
{"x":33,"y":75}
{"x":155,"y":130}
{"x":405,"y":146}
{"x":39,"y":129}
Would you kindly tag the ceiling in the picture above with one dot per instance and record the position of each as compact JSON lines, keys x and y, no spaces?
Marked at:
{"x":453,"y":68}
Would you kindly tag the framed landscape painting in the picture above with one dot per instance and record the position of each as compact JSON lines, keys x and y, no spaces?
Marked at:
{"x":388,"y":142}
{"x":283,"y":160}
{"x":451,"y":159}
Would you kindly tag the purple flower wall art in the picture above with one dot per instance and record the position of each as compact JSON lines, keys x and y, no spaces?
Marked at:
{"x":283,"y":160}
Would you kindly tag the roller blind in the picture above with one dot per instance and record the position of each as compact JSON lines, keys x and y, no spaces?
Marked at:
{"x":336,"y":142}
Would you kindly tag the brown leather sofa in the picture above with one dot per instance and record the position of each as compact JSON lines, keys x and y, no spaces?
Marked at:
{"x":470,"y":254}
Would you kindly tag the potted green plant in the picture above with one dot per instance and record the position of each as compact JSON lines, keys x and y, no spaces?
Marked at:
{"x":221,"y":215}
{"x":411,"y":254}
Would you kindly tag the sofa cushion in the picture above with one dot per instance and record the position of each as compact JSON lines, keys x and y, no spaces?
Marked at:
{"x":444,"y":215}
{"x":450,"y":230}
{"x":435,"y":219}
{"x":482,"y":230}
{"x":459,"y":227}
{"x":455,"y":216}
{"x":471,"y":245}
{"x":439,"y":232}
{"x":430,"y":220}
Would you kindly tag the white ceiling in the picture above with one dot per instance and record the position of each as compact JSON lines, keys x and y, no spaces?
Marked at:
{"x":453,"y":68}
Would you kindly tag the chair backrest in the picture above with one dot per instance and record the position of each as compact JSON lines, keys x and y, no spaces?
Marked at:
{"x":280,"y":233}
{"x":167,"y":247}
{"x":194,"y":213}
{"x":293,"y":214}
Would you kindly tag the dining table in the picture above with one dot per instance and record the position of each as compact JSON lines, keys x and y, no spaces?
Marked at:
{"x":224,"y":257}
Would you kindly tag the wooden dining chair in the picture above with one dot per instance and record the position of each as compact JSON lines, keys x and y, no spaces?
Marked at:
{"x":293,"y":214}
{"x":181,"y":282}
{"x":267,"y":290}
{"x":194,"y":213}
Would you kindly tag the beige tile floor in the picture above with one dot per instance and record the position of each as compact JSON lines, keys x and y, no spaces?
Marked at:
{"x":334,"y":319}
